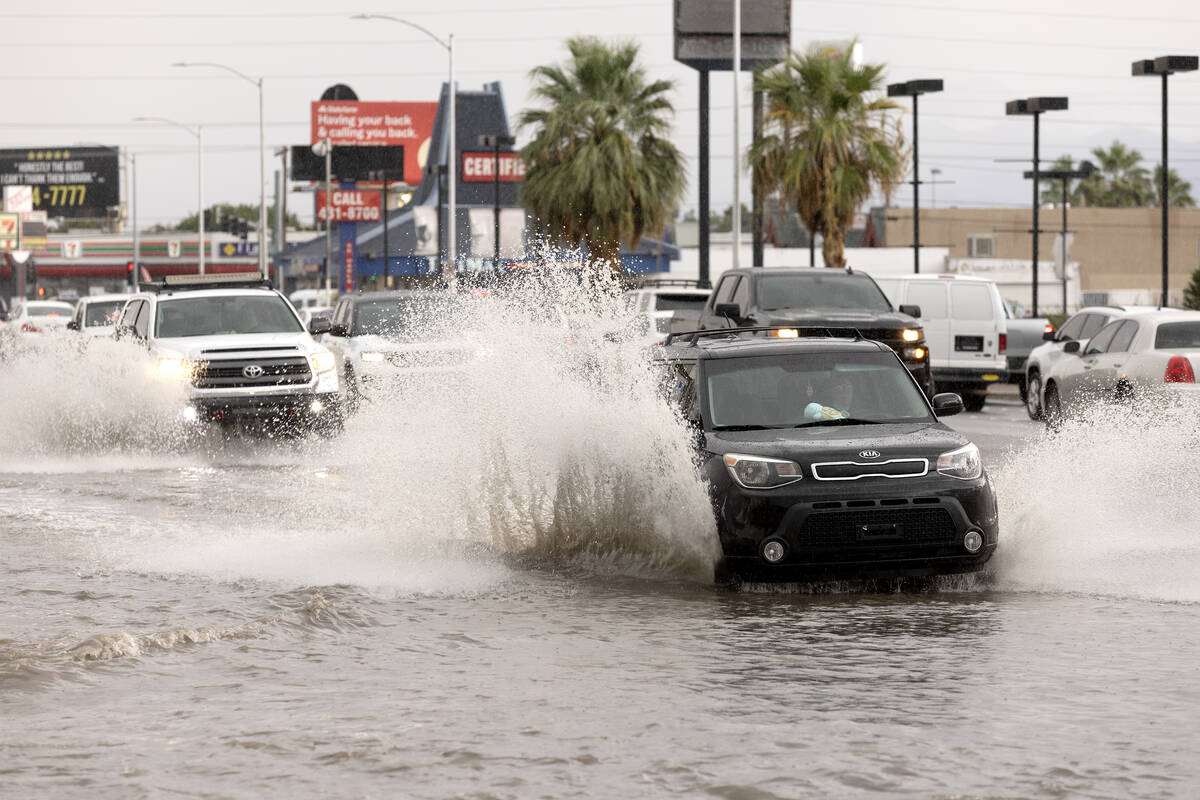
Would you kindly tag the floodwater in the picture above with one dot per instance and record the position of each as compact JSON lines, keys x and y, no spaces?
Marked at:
{"x":502,"y":589}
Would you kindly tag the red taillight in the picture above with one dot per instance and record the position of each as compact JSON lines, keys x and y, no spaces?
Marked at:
{"x":1048,"y":328}
{"x":25,"y":326}
{"x":1003,"y":342}
{"x":1179,"y":370}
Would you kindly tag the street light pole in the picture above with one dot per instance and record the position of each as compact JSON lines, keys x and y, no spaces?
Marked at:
{"x":915,"y":89}
{"x":198,"y":132}
{"x":325,"y":148}
{"x":452,"y":156}
{"x":1035,"y":106}
{"x":262,"y":159}
{"x":1164,"y":66}
{"x":1084,"y":171}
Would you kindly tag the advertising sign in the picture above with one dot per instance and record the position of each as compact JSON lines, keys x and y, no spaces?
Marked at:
{"x":355,"y":122}
{"x":348,"y":268}
{"x":349,"y":206}
{"x":65,"y":182}
{"x":477,"y":167}
{"x":9,"y":230}
{"x":18,"y":198}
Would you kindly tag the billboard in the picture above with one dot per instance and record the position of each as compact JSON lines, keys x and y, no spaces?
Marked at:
{"x":375,"y":124}
{"x":351,"y":163}
{"x":349,"y":205}
{"x":65,"y":181}
{"x":477,"y":167}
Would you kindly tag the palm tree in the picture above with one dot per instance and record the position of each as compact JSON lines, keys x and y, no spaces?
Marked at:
{"x":600,"y":170}
{"x":827,"y":142}
{"x":1179,"y":191}
{"x":1119,"y":181}
{"x":1054,"y":193}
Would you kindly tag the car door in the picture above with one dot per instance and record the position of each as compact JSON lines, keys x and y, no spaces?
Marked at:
{"x":722,"y":294}
{"x":974,"y":326}
{"x":1085,"y":381}
{"x":933,"y":298}
{"x":1108,"y":367}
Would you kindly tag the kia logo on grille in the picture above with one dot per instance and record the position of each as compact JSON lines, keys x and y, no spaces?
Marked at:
{"x":868,"y":454}
{"x":252,"y":371}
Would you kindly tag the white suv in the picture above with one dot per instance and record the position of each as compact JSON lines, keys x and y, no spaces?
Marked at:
{"x":241,"y":348}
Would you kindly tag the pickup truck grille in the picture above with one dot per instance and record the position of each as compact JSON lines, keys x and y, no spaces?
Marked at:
{"x":242,"y":373}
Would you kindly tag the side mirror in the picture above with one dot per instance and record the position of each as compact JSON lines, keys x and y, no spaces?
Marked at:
{"x":1047,"y":336}
{"x":947,"y":404}
{"x":728,"y":310}
{"x":912,"y":311}
{"x":72,"y":325}
{"x":319,"y":325}
{"x":1071,"y":347}
{"x":338,"y":329}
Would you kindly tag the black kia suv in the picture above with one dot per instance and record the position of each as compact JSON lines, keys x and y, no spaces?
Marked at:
{"x":806,"y":297}
{"x":825,"y":460}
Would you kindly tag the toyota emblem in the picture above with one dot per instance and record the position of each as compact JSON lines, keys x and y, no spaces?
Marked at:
{"x":252,"y":371}
{"x":868,"y":454}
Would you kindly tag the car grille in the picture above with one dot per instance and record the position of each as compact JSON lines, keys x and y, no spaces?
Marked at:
{"x":417,"y":359}
{"x":905,"y":526}
{"x":243,"y":373}
{"x":853,"y":470}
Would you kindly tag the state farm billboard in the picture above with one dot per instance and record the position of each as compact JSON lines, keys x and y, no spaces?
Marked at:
{"x":349,"y":206}
{"x":355,"y":122}
{"x":477,"y":167}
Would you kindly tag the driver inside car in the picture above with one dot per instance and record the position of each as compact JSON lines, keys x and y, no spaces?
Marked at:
{"x":838,"y":394}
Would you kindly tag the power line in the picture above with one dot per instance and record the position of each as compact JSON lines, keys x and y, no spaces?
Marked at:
{"x":1012,"y":12}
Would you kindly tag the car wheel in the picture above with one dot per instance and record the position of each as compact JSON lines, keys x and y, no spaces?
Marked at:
{"x":1052,"y":412}
{"x":1033,"y":397}
{"x":974,"y":401}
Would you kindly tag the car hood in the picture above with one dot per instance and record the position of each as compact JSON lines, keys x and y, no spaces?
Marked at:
{"x":838,"y":317}
{"x":891,"y":440}
{"x":193,"y":346}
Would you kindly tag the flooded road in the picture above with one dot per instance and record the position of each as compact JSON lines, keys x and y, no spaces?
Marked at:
{"x":513,"y":599}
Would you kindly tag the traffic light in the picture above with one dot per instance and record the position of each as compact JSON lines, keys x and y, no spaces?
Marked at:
{"x":41,"y":292}
{"x":208,"y":219}
{"x":131,"y":271}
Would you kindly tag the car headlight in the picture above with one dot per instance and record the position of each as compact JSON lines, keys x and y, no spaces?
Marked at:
{"x":963,"y":463}
{"x":371,"y":357}
{"x":322,"y":361}
{"x":759,"y":472}
{"x":910,"y":334}
{"x":175,"y":368}
{"x":915,"y":353}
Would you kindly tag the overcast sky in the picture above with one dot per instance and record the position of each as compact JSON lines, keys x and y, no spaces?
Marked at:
{"x":75,"y":73}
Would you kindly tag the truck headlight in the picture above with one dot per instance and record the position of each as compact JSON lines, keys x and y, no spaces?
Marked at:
{"x":322,"y":361}
{"x":963,"y":463}
{"x":910,"y":334}
{"x":371,"y":357}
{"x":759,"y":472}
{"x":175,"y":368}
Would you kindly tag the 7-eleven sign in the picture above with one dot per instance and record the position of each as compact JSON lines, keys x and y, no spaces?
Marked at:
{"x":10,"y":231}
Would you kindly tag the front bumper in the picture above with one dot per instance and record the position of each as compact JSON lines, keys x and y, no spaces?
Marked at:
{"x":868,"y":528}
{"x":303,"y":410}
{"x":977,"y":378}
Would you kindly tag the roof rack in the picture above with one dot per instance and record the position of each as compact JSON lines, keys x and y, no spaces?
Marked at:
{"x":802,"y":332}
{"x":220,"y":280}
{"x":651,"y":282}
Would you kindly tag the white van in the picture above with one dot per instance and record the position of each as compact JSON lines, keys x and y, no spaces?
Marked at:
{"x":963,"y":318}
{"x":308,"y":298}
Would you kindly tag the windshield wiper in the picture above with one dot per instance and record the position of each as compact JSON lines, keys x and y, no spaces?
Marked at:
{"x":745,"y":427}
{"x":841,"y":421}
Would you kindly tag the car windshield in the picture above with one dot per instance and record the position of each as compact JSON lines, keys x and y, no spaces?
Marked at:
{"x":681,"y":302}
{"x":1177,"y":336}
{"x":837,"y":291}
{"x":787,"y":391}
{"x":102,"y":312}
{"x":408,"y":317}
{"x":224,"y":314}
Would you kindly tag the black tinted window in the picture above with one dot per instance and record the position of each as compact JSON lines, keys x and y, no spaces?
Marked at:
{"x":836,"y":291}
{"x":724,"y":292}
{"x":680,"y":302}
{"x":408,"y":317}
{"x":1094,"y":323}
{"x":1120,"y":342}
{"x":1074,"y":327}
{"x":1099,"y":343}
{"x":1177,"y":336}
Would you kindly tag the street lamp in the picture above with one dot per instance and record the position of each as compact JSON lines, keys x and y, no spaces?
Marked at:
{"x":494,"y":142}
{"x":198,"y":132}
{"x":324,"y":148}
{"x":1085,"y":171}
{"x":1035,"y":106}
{"x":1164,"y":66}
{"x":262,"y":161}
{"x":452,"y":157}
{"x":915,"y":89}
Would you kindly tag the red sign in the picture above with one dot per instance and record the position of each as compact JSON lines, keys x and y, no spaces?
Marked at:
{"x":477,"y":167}
{"x":348,"y":269}
{"x":349,"y":206}
{"x":346,"y":122}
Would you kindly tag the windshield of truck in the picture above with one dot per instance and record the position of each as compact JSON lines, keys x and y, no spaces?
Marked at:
{"x":788,"y":391}
{"x":837,"y":291}
{"x":102,"y":312}
{"x":418,"y":316}
{"x":224,"y":314}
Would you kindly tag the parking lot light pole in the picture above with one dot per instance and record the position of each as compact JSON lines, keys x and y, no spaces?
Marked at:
{"x":494,"y":142}
{"x":1085,"y":170}
{"x":1034,"y":106}
{"x":452,"y":155}
{"x":1165,"y":66}
{"x":262,"y":159}
{"x":198,"y":132}
{"x":324,"y":148}
{"x":915,"y":89}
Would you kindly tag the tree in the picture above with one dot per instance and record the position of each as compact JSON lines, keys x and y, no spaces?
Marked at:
{"x":1119,"y":181}
{"x":827,"y":142}
{"x":1179,"y":191}
{"x":242,"y":211}
{"x":600,"y":169}
{"x":1053,"y":194}
{"x":1191,"y":295}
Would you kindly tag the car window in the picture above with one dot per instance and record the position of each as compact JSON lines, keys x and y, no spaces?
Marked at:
{"x":129,"y":314}
{"x":837,"y":291}
{"x":971,"y":301}
{"x":681,"y":302}
{"x":1073,"y":327}
{"x":724,"y":293}
{"x":142,"y":323}
{"x":1099,"y":342}
{"x":1095,"y":323}
{"x":1120,"y":343}
{"x":225,"y":314}
{"x":101,"y":312}
{"x":931,"y":297}
{"x":1177,"y":335}
{"x":741,"y":295}
{"x":408,"y":317}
